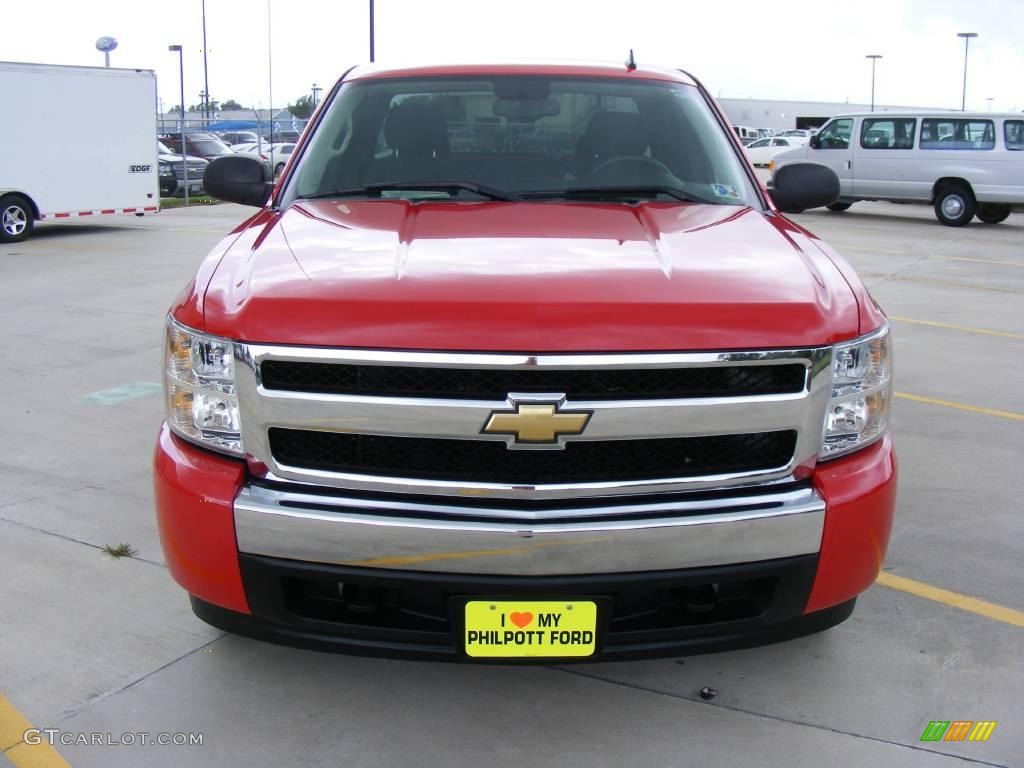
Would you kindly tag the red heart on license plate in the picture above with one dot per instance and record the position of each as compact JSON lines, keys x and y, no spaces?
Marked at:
{"x":520,"y":619}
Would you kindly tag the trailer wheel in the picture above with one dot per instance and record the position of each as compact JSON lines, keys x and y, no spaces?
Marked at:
{"x":993,"y":213}
{"x":954,"y":205}
{"x":16,"y":218}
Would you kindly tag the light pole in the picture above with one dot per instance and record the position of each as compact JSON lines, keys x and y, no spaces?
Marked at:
{"x":371,"y":31}
{"x":181,"y":75}
{"x":990,"y":99}
{"x":270,"y":72}
{"x":874,"y":60}
{"x":316,"y":95}
{"x":206,"y":75}
{"x":967,"y":41}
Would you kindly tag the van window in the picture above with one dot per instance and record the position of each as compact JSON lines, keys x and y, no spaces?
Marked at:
{"x":1013,"y":132}
{"x":947,"y":133}
{"x":888,"y":133}
{"x":836,"y":135}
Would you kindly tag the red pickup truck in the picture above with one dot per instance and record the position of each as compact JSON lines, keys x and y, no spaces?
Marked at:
{"x":521,"y":362}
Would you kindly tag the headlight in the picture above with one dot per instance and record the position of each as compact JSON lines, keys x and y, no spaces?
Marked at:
{"x":199,"y":381}
{"x":166,"y":169}
{"x":858,"y":412}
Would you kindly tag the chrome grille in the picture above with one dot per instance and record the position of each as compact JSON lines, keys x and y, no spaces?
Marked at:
{"x":661,"y":422}
{"x":495,"y":384}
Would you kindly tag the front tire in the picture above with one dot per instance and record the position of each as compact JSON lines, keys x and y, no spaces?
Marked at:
{"x":954,"y":205}
{"x":837,"y":207}
{"x":16,"y":219}
{"x":993,"y":213}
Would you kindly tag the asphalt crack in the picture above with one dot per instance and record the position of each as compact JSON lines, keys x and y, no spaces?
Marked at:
{"x":776,"y":718}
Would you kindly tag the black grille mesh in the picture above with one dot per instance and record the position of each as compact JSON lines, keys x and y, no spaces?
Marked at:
{"x":489,"y":461}
{"x":495,"y":384}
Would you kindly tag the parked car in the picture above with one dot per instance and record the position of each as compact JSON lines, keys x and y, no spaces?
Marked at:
{"x":965,"y":165}
{"x":282,"y":135}
{"x":799,"y":133}
{"x":747,"y":135}
{"x":238,"y":137}
{"x":488,"y":404}
{"x":202,"y":147}
{"x":762,"y":151}
{"x":278,"y":155}
{"x":171,"y":169}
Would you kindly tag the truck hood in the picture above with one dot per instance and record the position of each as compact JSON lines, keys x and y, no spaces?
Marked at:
{"x":527,"y":277}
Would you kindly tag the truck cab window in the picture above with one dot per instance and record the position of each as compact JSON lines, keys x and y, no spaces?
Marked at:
{"x":836,"y":135}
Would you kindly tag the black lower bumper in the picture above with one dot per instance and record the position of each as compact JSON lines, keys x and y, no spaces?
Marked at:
{"x":407,"y":614}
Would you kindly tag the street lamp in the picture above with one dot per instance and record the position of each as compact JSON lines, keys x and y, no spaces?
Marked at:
{"x":106,"y":45}
{"x":206,"y":74}
{"x":316,"y":95}
{"x":990,"y":99}
{"x":181,"y":75}
{"x":967,"y":41}
{"x":874,"y":60}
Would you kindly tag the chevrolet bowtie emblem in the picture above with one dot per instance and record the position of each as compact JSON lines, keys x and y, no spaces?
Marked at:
{"x":536,"y":424}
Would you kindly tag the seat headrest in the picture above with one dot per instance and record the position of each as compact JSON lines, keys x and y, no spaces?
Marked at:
{"x":416,"y":130}
{"x":613,"y":134}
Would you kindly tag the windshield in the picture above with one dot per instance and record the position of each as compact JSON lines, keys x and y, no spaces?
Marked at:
{"x":520,"y":137}
{"x":161,"y":149}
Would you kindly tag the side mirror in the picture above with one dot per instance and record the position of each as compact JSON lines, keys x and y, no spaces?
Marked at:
{"x":239,"y":179}
{"x":815,"y":142}
{"x":799,"y":186}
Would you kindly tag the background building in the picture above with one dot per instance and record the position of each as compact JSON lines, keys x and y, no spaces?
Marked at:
{"x":783,"y":115}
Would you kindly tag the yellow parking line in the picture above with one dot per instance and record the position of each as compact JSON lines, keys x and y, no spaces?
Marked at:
{"x":961,"y":406}
{"x":954,"y":599}
{"x":12,"y":744}
{"x":981,"y":261}
{"x":953,"y":327}
{"x":943,"y":283}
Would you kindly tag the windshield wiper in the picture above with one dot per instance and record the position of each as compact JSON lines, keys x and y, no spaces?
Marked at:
{"x":378,"y":190}
{"x":639,"y":191}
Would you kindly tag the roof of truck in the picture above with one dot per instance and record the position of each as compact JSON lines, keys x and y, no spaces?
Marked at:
{"x":566,"y":68}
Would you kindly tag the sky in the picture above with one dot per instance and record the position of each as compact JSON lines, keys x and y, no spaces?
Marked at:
{"x":800,"y":49}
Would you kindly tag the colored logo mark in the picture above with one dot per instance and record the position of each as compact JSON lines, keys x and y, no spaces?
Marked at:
{"x":958,"y":730}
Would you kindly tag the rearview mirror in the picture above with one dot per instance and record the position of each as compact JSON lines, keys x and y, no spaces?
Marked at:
{"x":800,"y":186}
{"x":239,"y":179}
{"x":815,"y":142}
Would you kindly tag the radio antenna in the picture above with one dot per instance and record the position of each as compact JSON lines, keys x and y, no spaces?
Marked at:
{"x":630,"y":62}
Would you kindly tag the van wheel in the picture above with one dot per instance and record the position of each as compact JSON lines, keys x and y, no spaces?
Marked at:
{"x":278,"y":169}
{"x":16,"y":219}
{"x":954,"y":205}
{"x":993,"y":213}
{"x":839,"y":206}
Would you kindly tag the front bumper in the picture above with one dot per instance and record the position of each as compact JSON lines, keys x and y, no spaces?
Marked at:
{"x":223,"y":534}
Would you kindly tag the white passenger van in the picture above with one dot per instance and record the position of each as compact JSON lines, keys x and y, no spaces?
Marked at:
{"x":965,"y":164}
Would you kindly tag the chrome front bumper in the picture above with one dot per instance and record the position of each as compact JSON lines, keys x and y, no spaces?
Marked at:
{"x":618,"y":538}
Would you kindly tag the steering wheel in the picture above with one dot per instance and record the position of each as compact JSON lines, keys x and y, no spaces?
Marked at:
{"x":641,"y":165}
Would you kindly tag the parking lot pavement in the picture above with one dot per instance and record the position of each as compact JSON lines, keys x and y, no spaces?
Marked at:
{"x":91,"y":644}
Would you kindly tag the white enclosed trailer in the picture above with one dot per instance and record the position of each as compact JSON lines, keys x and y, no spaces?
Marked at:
{"x":75,"y":142}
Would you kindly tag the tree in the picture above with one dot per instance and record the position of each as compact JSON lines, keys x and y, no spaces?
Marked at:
{"x":231,"y":104}
{"x":302,"y":108}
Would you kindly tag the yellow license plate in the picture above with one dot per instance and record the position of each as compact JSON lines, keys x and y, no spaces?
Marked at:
{"x":530,"y":628}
